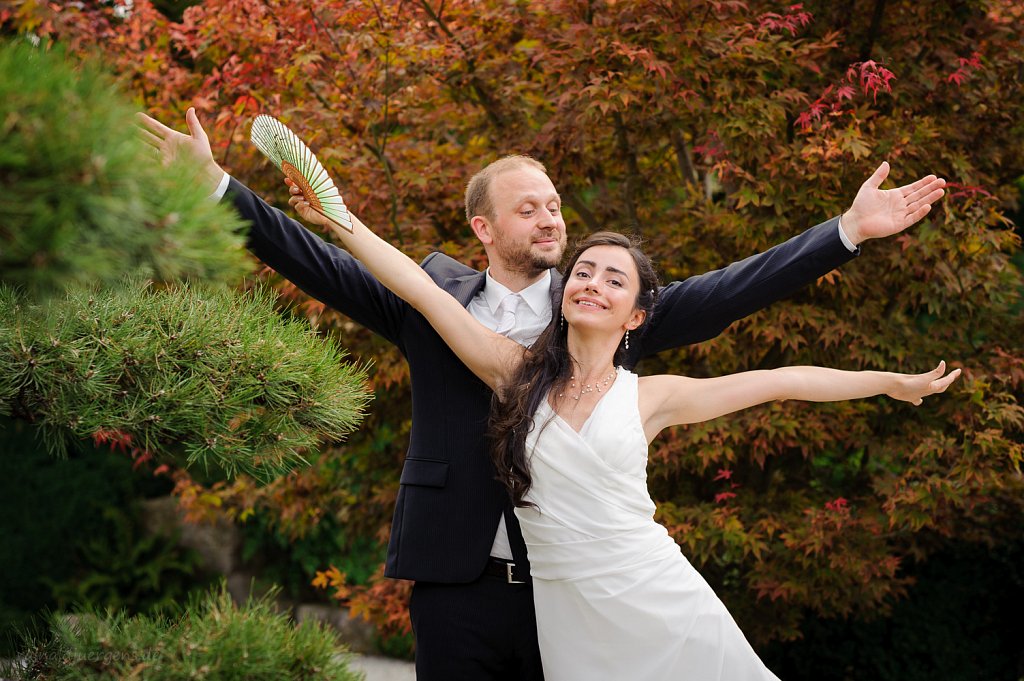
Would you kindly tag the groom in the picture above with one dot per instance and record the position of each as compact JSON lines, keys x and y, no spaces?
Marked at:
{"x":453,"y":531}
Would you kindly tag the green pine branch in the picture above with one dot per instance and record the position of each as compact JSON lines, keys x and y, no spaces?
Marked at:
{"x":207,"y":377}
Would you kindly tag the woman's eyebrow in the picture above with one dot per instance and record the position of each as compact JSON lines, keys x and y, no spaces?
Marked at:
{"x":609,"y":268}
{"x":616,"y":270}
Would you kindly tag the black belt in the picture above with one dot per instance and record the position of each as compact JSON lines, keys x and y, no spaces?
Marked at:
{"x":507,"y":570}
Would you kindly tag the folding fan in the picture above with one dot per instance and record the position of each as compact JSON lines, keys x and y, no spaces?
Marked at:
{"x":298,"y":163}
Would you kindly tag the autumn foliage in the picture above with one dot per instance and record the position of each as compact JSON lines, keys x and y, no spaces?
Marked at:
{"x":715,"y":129}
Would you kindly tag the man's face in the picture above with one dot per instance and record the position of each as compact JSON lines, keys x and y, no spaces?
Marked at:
{"x":528,"y":231}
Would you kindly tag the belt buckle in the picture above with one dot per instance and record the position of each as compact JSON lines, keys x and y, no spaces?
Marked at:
{"x":508,"y":568}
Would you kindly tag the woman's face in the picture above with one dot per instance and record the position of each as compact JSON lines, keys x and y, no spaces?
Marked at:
{"x":601,"y":291}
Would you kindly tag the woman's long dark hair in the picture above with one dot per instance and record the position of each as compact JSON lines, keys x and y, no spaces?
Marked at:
{"x":548,"y":366}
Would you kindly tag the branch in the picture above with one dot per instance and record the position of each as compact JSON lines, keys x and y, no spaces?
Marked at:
{"x":322,"y":27}
{"x":684,"y":158}
{"x":874,"y":31}
{"x":205,"y":374}
{"x":379,"y":154}
{"x":576,"y":203}
{"x":227,"y":149}
{"x":485,"y":100}
{"x":703,"y":20}
{"x":392,"y":187}
{"x":632,"y":169}
{"x":382,"y":141}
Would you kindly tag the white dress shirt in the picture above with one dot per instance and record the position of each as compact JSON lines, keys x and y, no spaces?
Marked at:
{"x":532,"y":314}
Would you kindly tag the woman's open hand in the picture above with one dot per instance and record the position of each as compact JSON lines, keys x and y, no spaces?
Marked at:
{"x":914,"y":388}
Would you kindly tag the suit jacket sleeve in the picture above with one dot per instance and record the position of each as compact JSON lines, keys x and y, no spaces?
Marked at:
{"x":701,"y":307}
{"x":321,"y":269}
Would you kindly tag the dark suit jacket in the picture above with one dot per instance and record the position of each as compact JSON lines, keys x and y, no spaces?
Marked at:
{"x":449,"y":502}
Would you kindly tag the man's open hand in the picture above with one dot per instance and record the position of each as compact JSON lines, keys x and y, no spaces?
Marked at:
{"x":193,"y":148}
{"x":877,"y":213}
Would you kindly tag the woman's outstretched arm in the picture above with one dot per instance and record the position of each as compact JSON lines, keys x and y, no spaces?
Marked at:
{"x":673,"y":400}
{"x":488,"y":355}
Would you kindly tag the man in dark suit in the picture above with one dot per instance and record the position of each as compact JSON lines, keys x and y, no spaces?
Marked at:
{"x":453,"y":531}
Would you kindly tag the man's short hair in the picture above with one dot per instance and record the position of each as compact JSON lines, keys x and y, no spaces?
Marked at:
{"x":478,"y":191}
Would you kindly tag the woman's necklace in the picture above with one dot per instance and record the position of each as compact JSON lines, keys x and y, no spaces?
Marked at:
{"x":588,"y":388}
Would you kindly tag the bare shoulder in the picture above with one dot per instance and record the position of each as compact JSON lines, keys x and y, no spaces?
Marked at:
{"x":659,"y":398}
{"x":655,"y":391}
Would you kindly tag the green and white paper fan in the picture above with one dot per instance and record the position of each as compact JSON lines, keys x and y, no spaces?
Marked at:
{"x":297,"y":162}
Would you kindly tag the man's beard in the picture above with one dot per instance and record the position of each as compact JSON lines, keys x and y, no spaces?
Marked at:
{"x":522,"y":259}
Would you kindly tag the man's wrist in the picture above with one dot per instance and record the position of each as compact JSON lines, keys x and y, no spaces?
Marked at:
{"x":222,"y":186}
{"x":844,"y":237}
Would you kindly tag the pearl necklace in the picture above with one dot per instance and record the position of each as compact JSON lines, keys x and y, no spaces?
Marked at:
{"x":588,"y":388}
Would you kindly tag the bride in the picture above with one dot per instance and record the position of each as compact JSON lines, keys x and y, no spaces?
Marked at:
{"x":615,"y":597}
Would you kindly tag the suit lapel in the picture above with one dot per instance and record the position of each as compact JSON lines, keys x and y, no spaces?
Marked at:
{"x":556,"y":291}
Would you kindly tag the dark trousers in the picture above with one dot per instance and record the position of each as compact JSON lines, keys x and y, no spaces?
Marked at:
{"x":482,"y":631}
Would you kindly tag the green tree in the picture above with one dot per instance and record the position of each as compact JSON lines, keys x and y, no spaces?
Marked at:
{"x":125,"y":320}
{"x":195,"y":373}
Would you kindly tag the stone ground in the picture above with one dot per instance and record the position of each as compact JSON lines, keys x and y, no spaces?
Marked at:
{"x":384,"y":669}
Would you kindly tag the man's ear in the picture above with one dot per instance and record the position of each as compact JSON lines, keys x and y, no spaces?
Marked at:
{"x":636,"y":320}
{"x":481,"y":226}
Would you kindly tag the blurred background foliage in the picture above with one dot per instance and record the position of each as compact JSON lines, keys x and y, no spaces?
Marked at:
{"x":715,"y":129}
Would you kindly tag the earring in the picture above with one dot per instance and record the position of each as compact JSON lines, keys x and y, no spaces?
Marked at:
{"x":627,"y":339}
{"x":561,"y":320}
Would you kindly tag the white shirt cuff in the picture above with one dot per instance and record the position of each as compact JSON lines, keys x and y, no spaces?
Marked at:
{"x":222,"y":189}
{"x":842,"y":235}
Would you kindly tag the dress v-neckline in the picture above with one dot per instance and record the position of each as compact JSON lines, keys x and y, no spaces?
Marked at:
{"x":593,"y":411}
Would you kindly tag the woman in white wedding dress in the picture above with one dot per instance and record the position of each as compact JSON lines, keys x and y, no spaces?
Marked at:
{"x":615,"y":597}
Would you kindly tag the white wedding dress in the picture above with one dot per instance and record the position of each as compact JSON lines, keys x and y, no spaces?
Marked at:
{"x":616,"y":599}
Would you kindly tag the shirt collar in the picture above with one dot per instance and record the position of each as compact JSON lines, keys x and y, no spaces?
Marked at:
{"x":537,"y":295}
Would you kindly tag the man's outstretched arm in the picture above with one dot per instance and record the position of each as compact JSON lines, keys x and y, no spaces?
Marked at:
{"x":318,"y":267}
{"x":702,"y":306}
